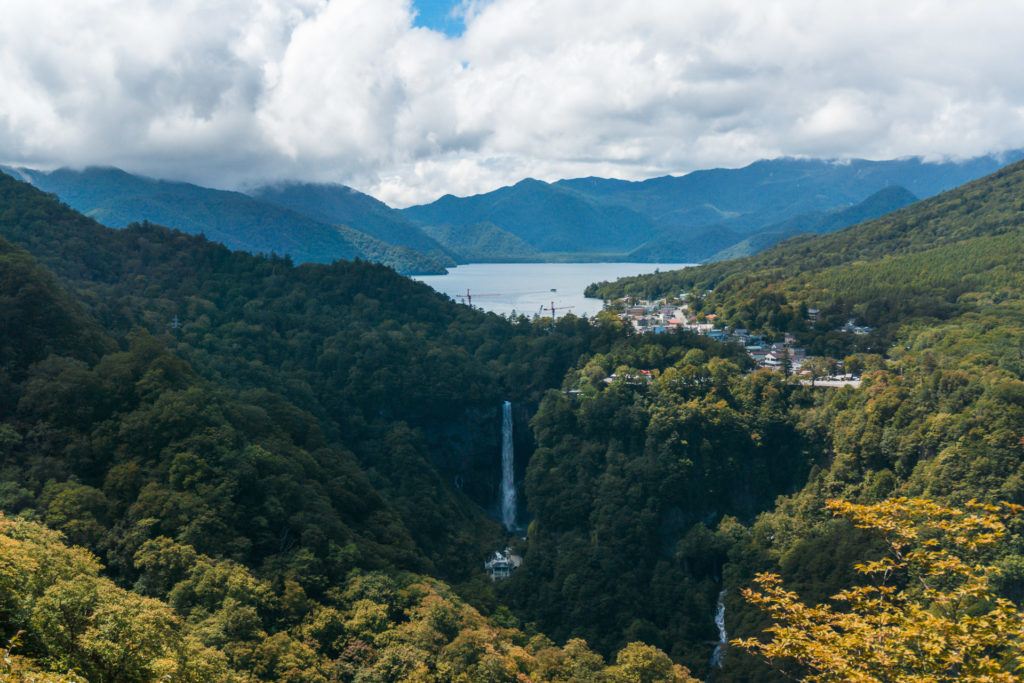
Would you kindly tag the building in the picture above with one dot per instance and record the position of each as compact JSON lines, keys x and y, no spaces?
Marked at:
{"x":851,"y":327}
{"x":501,"y":565}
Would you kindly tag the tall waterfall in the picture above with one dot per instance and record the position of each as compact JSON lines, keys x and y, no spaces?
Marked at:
{"x":723,"y":637}
{"x":508,"y":469}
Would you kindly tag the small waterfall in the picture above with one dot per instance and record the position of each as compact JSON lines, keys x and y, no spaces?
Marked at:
{"x":508,"y":469}
{"x":723,"y":637}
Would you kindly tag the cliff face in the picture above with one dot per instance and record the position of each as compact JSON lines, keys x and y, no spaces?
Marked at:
{"x":467,"y":453}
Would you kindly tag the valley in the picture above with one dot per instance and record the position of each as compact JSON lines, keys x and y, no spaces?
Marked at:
{"x":315,"y":426}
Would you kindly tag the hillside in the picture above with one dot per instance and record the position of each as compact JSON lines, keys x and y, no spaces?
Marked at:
{"x":546,"y":217}
{"x":304,"y":424}
{"x":482,"y":242}
{"x":698,"y":244}
{"x":335,"y":204}
{"x":117,"y":199}
{"x":884,"y":201}
{"x":984,"y":208}
{"x":940,"y":412}
{"x":355,"y":362}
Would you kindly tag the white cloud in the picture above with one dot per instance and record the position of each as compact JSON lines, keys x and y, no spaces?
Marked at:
{"x":240,"y":91}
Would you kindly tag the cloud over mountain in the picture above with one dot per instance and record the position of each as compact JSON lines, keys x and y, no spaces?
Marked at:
{"x":238,"y":92}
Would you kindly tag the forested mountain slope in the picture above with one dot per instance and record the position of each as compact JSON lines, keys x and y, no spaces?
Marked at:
{"x":985,"y":208}
{"x":117,"y":199}
{"x":884,"y":201}
{"x":547,"y":217}
{"x":384,"y":364}
{"x":482,"y":242}
{"x":940,"y":413}
{"x":192,"y":617}
{"x":335,"y":204}
{"x":238,"y":436}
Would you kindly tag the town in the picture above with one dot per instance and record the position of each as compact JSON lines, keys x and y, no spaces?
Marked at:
{"x":667,"y":316}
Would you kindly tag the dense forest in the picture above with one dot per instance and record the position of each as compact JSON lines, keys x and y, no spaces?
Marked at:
{"x":218,"y":466}
{"x":302,"y":423}
{"x":941,"y":410}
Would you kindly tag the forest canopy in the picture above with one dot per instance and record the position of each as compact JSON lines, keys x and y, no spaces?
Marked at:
{"x":283,"y":472}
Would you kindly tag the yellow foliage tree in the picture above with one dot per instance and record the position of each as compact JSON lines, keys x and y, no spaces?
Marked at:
{"x":931,"y":613}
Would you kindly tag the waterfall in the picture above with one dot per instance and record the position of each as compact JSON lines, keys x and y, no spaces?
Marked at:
{"x":508,"y":469}
{"x":723,"y":637}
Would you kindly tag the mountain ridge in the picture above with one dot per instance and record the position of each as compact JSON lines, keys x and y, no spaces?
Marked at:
{"x":117,"y":198}
{"x":704,"y":215}
{"x":697,"y":215}
{"x":337,"y":204}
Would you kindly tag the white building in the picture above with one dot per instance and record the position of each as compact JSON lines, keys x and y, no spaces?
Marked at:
{"x":502,"y":564}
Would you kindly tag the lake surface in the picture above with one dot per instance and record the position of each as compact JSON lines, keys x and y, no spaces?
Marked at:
{"x":527,"y":287}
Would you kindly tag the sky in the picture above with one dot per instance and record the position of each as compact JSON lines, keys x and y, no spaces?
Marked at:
{"x":411,"y":101}
{"x":445,"y":16}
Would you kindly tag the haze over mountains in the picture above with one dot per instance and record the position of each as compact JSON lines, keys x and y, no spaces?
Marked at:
{"x":704,"y":215}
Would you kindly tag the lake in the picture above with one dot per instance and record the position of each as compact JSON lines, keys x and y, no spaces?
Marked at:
{"x":527,"y":287}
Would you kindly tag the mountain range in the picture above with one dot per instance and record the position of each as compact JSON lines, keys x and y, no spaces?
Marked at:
{"x":704,"y":215}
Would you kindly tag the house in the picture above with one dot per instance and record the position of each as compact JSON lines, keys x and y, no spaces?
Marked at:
{"x":851,"y":327}
{"x":502,"y":564}
{"x":757,"y":353}
{"x":645,"y":377}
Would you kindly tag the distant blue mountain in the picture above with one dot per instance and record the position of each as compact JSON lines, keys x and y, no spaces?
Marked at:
{"x":695,"y":216}
{"x":549,"y":218}
{"x":703,"y":215}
